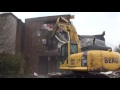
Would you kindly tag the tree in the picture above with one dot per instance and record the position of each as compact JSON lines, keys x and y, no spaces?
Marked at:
{"x":7,"y":33}
{"x":11,"y":65}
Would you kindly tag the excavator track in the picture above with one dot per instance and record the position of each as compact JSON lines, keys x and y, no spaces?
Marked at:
{"x":80,"y":75}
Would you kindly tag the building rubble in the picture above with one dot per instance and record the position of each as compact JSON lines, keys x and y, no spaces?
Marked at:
{"x":110,"y":74}
{"x":114,"y":74}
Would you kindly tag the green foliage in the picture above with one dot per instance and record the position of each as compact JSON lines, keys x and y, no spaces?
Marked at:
{"x":11,"y":65}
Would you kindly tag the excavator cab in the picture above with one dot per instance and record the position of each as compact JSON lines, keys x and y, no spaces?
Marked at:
{"x":67,"y":49}
{"x":71,"y":58}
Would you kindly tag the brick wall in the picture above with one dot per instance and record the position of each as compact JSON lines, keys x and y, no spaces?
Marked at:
{"x":34,"y":48}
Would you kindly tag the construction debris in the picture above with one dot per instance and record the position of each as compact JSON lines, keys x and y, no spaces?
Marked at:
{"x":115,"y":74}
{"x":110,"y":74}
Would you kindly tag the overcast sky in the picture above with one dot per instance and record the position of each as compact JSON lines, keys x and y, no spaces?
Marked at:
{"x":88,"y":23}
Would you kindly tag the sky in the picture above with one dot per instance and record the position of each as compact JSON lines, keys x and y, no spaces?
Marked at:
{"x":87,"y":23}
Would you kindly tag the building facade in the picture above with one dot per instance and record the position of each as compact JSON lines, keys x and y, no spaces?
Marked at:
{"x":40,"y":55}
{"x":11,"y":31}
{"x":31,"y":39}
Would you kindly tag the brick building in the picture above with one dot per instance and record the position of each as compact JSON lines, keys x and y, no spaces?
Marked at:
{"x":11,"y":34}
{"x":30,"y":40}
{"x":40,"y":58}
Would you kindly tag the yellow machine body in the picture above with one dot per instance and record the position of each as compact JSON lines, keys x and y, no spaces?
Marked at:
{"x":93,"y":60}
{"x":96,"y":61}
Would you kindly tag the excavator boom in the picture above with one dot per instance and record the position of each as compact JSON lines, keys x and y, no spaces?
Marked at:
{"x":63,"y":27}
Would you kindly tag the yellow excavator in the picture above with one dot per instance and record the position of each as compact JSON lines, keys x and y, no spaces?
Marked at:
{"x":76,"y":60}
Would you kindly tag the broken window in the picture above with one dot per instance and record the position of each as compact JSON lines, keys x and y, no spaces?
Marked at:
{"x":48,"y":27}
{"x":43,"y":41}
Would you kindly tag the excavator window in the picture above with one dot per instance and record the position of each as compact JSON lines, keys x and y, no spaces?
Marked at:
{"x":64,"y":52}
{"x":73,"y":48}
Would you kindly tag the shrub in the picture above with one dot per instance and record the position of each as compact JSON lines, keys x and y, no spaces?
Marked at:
{"x":11,"y":65}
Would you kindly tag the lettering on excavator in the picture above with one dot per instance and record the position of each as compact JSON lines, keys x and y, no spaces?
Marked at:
{"x":110,"y":60}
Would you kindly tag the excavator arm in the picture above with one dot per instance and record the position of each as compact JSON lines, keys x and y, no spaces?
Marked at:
{"x":64,"y":31}
{"x":57,"y":25}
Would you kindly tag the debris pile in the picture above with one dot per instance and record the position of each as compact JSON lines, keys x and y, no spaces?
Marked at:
{"x":114,"y":74}
{"x":110,"y":74}
{"x":48,"y":75}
